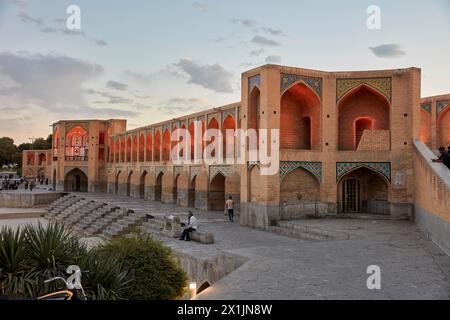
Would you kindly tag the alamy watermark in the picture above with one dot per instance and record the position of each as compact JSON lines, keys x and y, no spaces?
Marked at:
{"x":374,"y":280}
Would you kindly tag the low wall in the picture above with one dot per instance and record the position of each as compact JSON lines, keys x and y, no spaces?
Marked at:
{"x":203,"y":270}
{"x":432,"y":196}
{"x":27,"y":199}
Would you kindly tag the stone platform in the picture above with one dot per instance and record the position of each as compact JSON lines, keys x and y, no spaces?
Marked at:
{"x":27,"y":198}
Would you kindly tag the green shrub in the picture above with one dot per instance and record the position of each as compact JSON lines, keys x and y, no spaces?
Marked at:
{"x":155,"y":275}
{"x":31,"y":255}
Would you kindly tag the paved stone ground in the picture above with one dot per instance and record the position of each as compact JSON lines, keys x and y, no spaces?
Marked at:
{"x":279,"y":267}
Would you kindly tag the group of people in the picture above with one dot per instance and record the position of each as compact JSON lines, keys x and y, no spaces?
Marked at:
{"x":192,"y":224}
{"x":10,"y":184}
{"x":444,"y":157}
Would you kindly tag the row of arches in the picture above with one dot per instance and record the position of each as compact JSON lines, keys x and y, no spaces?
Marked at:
{"x":158,"y":146}
{"x":42,"y":159}
{"x":442,"y":129}
{"x":361,"y":111}
{"x":173,"y":189}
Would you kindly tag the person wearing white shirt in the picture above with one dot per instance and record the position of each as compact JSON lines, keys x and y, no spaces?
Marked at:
{"x":191,"y":227}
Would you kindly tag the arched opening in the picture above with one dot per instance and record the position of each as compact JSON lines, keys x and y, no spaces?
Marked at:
{"x":135,"y":149}
{"x":175,"y":188}
{"x":300,"y":119}
{"x":116,"y":183}
{"x":54,"y":180}
{"x":30,"y":159}
{"x":425,"y":127}
{"x":361,"y":125}
{"x":128,"y":149}
{"x":299,"y":191}
{"x":129,"y":183}
{"x":158,"y":187}
{"x":191,"y":193}
{"x":363,"y":103}
{"x":77,"y":144}
{"x":149,"y":147}
{"x":203,"y":287}
{"x":42,"y":161}
{"x":111,"y":150}
{"x":443,"y":125}
{"x":166,"y":146}
{"x":117,"y":151}
{"x":142,"y":185}
{"x":157,"y":146}
{"x":76,"y":181}
{"x":216,"y":193}
{"x":122,"y":150}
{"x":228,"y":142}
{"x":213,"y":124}
{"x":363,"y":191}
{"x":142,"y":148}
{"x":55,"y":142}
{"x":253,"y":109}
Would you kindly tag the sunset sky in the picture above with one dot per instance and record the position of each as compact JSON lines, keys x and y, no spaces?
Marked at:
{"x":152,"y":60}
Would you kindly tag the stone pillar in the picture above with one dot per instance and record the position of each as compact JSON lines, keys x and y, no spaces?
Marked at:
{"x":167,"y":189}
{"x":183,"y":190}
{"x":201,"y":191}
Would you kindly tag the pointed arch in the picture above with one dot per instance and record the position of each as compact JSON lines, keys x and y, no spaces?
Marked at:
{"x":142,"y":148}
{"x":149,"y":151}
{"x":157,"y":146}
{"x":228,"y":142}
{"x":135,"y":149}
{"x":300,"y":126}
{"x":166,"y":146}
{"x":128,"y":149}
{"x":362,"y":102}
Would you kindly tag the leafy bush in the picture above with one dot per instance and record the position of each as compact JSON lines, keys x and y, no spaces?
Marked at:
{"x":155,"y":273}
{"x":31,"y":255}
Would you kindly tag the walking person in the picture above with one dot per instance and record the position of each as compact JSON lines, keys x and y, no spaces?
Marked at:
{"x":32,"y":185}
{"x":229,"y":207}
{"x":191,"y":227}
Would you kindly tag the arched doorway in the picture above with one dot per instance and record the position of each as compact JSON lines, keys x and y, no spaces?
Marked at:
{"x":443,"y":125}
{"x":191,"y":193}
{"x":158,"y":187}
{"x":175,"y":188}
{"x":166,"y":146}
{"x":142,"y":185}
{"x":216,"y":193}
{"x":54,"y":180}
{"x":129,"y":183}
{"x":363,"y":191}
{"x":116,"y":183}
{"x":362,"y":109}
{"x":299,"y":192}
{"x":76,"y":181}
{"x":300,"y":119}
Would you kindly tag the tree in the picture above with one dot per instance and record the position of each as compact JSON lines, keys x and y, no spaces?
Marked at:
{"x":7,"y":150}
{"x":41,"y":144}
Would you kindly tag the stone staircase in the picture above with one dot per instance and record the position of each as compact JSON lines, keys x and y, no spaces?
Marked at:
{"x":297,"y":230}
{"x":89,"y":218}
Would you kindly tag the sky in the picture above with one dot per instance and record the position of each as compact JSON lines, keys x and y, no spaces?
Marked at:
{"x":152,"y":60}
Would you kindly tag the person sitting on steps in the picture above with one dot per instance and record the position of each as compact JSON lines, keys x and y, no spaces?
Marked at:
{"x":443,"y":158}
{"x":191,"y":227}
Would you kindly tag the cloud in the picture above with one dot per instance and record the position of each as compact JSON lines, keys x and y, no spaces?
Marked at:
{"x":201,"y":6}
{"x":213,"y":77}
{"x":25,"y":18}
{"x":245,"y":22}
{"x":265,"y":42}
{"x":273,"y":59}
{"x":59,"y":29}
{"x":257,"y":53}
{"x":182,"y":106}
{"x":52,"y":81}
{"x":274,"y":32}
{"x":112,"y":99}
{"x":116,"y":85}
{"x":388,"y":51}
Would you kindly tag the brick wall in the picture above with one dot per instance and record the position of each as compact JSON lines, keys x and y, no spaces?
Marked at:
{"x":375,"y":140}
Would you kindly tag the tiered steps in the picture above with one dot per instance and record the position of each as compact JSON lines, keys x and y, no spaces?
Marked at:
{"x":297,"y":230}
{"x":124,"y":225}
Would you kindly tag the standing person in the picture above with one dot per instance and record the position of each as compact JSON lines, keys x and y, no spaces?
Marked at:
{"x":191,"y":227}
{"x":229,"y":206}
{"x":32,"y":185}
{"x":443,"y":158}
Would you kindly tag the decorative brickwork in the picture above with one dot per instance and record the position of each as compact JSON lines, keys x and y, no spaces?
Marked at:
{"x":288,"y":80}
{"x":254,"y":81}
{"x":382,"y":85}
{"x":287,"y":167}
{"x":383,"y":168}
{"x":215,"y":170}
{"x":442,"y":105}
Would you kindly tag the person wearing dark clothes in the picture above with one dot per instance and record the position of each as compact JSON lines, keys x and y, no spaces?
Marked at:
{"x":443,"y":158}
{"x":191,"y":227}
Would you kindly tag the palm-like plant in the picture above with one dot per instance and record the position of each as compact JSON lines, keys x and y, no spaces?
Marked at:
{"x":15,"y":278}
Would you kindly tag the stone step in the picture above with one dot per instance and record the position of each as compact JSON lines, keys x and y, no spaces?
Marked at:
{"x":296,"y":234}
{"x":330,"y":234}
